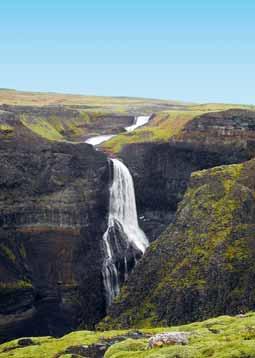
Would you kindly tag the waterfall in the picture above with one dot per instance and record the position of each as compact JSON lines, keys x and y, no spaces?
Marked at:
{"x":139,"y":121}
{"x":123,"y":215}
{"x":99,"y":139}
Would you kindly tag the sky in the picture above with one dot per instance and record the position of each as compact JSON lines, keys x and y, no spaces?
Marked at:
{"x":191,"y":50}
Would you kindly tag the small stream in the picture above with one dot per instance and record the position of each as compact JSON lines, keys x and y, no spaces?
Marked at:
{"x":138,"y":122}
{"x":99,"y":139}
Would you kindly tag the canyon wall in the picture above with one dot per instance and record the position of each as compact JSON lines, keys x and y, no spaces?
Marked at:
{"x":53,"y":213}
{"x":54,"y":201}
{"x":203,"y":264}
{"x":162,"y":171}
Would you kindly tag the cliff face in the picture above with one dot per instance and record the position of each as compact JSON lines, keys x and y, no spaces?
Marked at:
{"x":68,"y":122}
{"x":203,"y":264}
{"x":162,"y":171}
{"x":53,"y":213}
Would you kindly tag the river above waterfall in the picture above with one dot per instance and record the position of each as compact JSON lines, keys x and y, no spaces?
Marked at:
{"x":138,"y":122}
{"x":99,"y":139}
{"x":123,"y":242}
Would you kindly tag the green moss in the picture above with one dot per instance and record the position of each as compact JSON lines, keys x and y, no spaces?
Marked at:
{"x":5,"y":127}
{"x":74,"y":127}
{"x":222,"y":337}
{"x":6,"y":130}
{"x":205,"y":260}
{"x":160,"y":129}
{"x":42,"y":128}
{"x":214,"y":107}
{"x":59,"y":127}
{"x":6,"y":251}
{"x":164,"y":126}
{"x":48,"y":346}
{"x":10,"y":286}
{"x":23,"y":251}
{"x":204,"y":237}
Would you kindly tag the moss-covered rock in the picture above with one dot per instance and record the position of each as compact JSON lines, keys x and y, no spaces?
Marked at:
{"x":203,"y":264}
{"x":162,"y":170}
{"x":223,"y":120}
{"x":60,"y":122}
{"x":222,"y":337}
{"x":160,"y":128}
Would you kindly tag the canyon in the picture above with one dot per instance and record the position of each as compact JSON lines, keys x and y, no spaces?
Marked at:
{"x":174,"y":244}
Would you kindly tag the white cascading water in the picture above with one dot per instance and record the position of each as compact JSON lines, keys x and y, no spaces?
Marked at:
{"x":99,"y":139}
{"x":139,"y":121}
{"x":122,"y":211}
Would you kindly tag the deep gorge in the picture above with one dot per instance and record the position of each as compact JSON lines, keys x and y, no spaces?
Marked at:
{"x":54,"y":213}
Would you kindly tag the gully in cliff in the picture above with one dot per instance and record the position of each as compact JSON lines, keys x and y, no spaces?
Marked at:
{"x":123,"y":233}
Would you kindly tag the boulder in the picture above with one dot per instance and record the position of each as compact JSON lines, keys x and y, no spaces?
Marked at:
{"x":170,"y":338}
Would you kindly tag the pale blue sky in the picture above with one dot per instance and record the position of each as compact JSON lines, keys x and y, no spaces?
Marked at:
{"x":192,"y":50}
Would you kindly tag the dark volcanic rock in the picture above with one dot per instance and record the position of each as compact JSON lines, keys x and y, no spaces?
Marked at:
{"x":109,"y":124}
{"x":98,"y":350}
{"x":93,"y":351}
{"x":53,"y":211}
{"x":203,"y":264}
{"x":162,"y":171}
{"x":25,"y":342}
{"x":72,"y":123}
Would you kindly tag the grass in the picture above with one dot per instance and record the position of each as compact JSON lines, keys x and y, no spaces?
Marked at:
{"x":6,"y":130}
{"x":57,"y":128}
{"x":48,"y":346}
{"x":165,"y":125}
{"x":222,"y":337}
{"x":213,"y":107}
{"x":170,"y":117}
{"x":9,"y":287}
{"x":5,"y":127}
{"x":42,"y":128}
{"x":160,"y":129}
{"x":104,"y":103}
{"x":7,"y":252}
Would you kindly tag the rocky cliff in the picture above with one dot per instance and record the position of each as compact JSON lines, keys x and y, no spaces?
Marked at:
{"x":162,"y":171}
{"x":72,"y":123}
{"x":203,"y":263}
{"x":53,"y":212}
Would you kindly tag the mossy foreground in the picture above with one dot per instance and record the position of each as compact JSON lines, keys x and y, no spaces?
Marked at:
{"x":220,"y":337}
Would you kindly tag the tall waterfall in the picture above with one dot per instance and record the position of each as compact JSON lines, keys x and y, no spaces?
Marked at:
{"x":122,"y":214}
